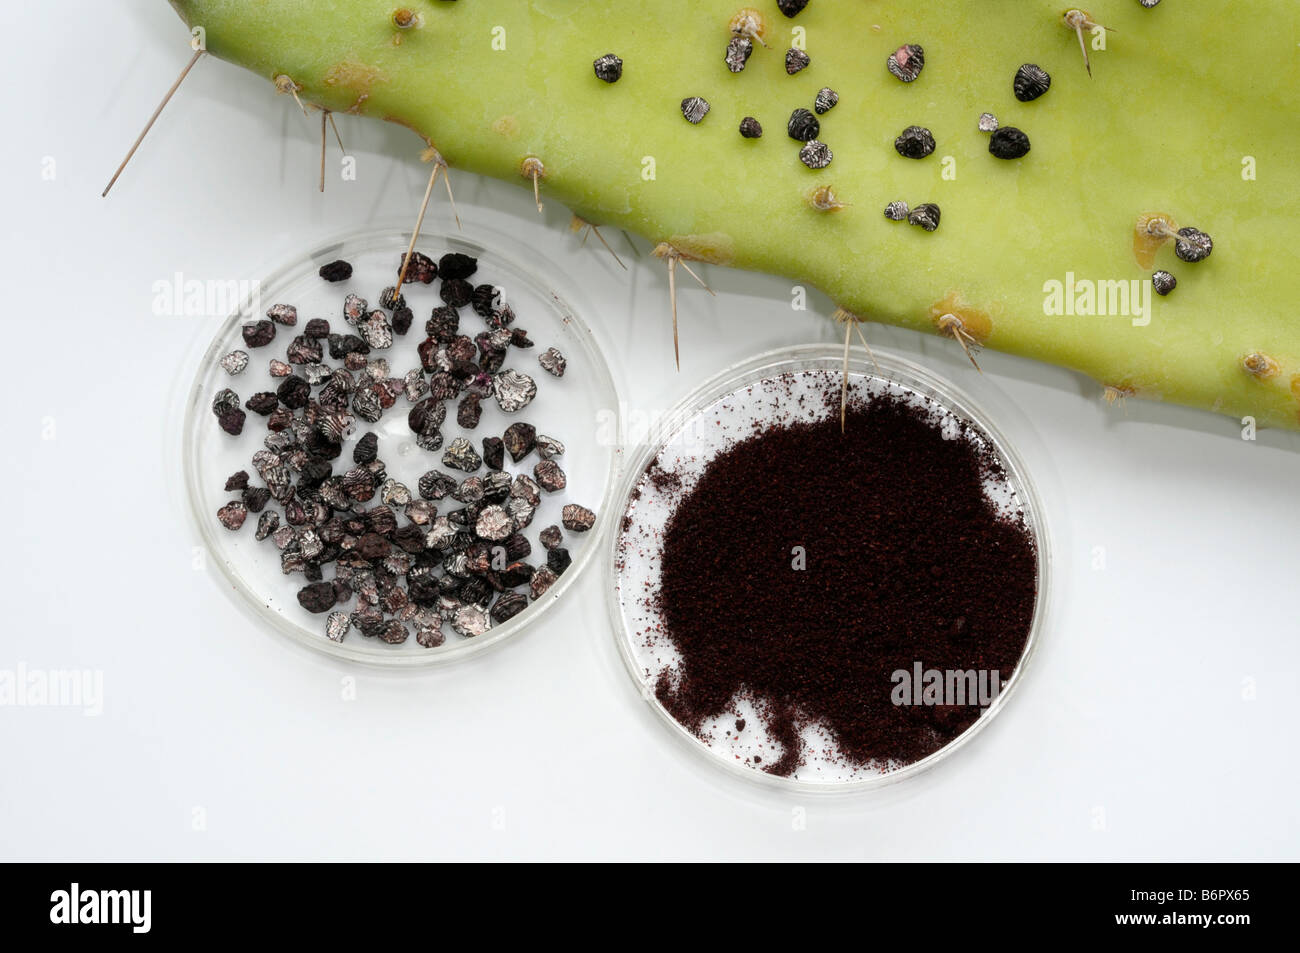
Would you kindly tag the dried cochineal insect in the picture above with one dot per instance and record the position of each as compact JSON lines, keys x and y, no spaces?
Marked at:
{"x":1031,"y":82}
{"x":1163,"y":282}
{"x":609,"y":68}
{"x":695,"y":108}
{"x":915,"y":142}
{"x":235,"y":362}
{"x":553,"y":362}
{"x":233,"y":514}
{"x":336,"y":271}
{"x":577,"y":519}
{"x":896,"y":211}
{"x":513,"y":390}
{"x":1193,"y":245}
{"x":461,"y":455}
{"x":816,"y":155}
{"x":803,"y":126}
{"x":258,"y":333}
{"x":548,"y":447}
{"x":925,"y":216}
{"x":549,"y":476}
{"x":739,"y":49}
{"x":1008,"y":142}
{"x":906,"y":62}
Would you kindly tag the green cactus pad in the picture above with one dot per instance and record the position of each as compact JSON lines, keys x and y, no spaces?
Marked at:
{"x":1190,"y":112}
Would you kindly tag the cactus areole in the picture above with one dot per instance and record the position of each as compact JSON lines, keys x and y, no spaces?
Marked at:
{"x":1181,"y":123}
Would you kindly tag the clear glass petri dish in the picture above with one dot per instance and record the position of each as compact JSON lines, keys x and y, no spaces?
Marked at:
{"x":705,"y":422}
{"x":582,"y":409}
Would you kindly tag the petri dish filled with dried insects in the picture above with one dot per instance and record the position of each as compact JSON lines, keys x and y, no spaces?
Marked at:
{"x":403,"y":475}
{"x":827,"y":582}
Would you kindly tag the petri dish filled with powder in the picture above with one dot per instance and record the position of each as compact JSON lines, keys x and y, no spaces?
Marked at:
{"x":820,"y":600}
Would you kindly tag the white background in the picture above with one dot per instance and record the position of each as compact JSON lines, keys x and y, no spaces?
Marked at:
{"x":1133,"y":736}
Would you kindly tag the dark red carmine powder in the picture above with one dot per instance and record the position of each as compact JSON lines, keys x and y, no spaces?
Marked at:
{"x":907,"y":560}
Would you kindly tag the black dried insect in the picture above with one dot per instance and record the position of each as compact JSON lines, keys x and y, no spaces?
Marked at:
{"x":267,"y":524}
{"x":553,"y":362}
{"x":750,"y":128}
{"x":341,"y":345}
{"x":548,"y":447}
{"x":925,"y":216}
{"x":915,"y":142}
{"x":695,"y":108}
{"x":791,"y":8}
{"x":906,"y":62}
{"x":317,"y":597}
{"x":739,"y":49}
{"x":896,"y":211}
{"x":803,"y":126}
{"x":422,"y":268}
{"x":355,"y":308}
{"x":390,"y":299}
{"x":494,"y":452}
{"x":456,"y":292}
{"x":304,"y":350}
{"x":316,"y":329}
{"x":461,"y":455}
{"x":235,"y":362}
{"x":1031,"y":82}
{"x":520,"y":438}
{"x":825,"y":101}
{"x":1009,"y":142}
{"x":402,"y":320}
{"x":1193,"y":245}
{"x":507,"y":606}
{"x":262,"y":403}
{"x":232,"y":515}
{"x":436,"y":485}
{"x":542,"y":580}
{"x":1163,"y":282}
{"x":608,"y":68}
{"x":258,"y":333}
{"x":796,"y":60}
{"x":443,"y":324}
{"x":427,"y":415}
{"x":488,"y":301}
{"x":367,"y":449}
{"x":577,"y":519}
{"x":336,"y":271}
{"x":513,"y":390}
{"x":558,"y":559}
{"x":549,"y":476}
{"x":816,"y":155}
{"x":551,"y":537}
{"x":469,"y":411}
{"x":294,"y":392}
{"x":456,"y":265}
{"x":285,"y":314}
